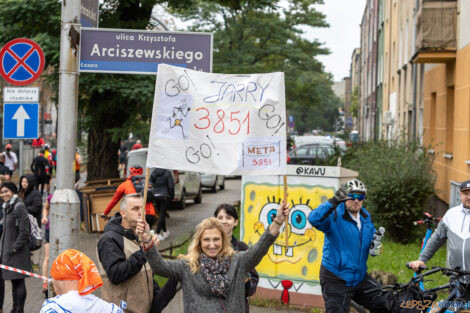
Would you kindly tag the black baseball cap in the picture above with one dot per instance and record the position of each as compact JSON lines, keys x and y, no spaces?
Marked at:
{"x":465,"y":185}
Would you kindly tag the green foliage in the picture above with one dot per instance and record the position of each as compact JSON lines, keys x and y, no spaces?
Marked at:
{"x":38,"y":20}
{"x":250,"y":36}
{"x":260,"y":36}
{"x":399,"y":181}
{"x":354,"y":107}
{"x":395,"y":255}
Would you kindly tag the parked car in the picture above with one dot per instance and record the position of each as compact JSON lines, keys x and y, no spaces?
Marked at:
{"x":340,"y":144}
{"x":310,"y":154}
{"x":187,"y":183}
{"x":213,"y":181}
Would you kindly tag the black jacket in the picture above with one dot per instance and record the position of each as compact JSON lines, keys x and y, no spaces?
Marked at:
{"x":40,"y":166}
{"x":111,"y":252}
{"x":3,"y":169}
{"x":162,"y":183}
{"x":14,"y":248}
{"x":250,"y":286}
{"x":32,"y":198}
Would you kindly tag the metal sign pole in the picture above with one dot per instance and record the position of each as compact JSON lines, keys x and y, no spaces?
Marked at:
{"x":65,"y":204}
{"x":21,"y":158}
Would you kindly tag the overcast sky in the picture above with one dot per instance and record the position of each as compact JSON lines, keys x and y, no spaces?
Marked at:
{"x":343,"y":35}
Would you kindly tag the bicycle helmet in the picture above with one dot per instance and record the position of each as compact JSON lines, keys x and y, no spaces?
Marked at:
{"x":356,"y":185}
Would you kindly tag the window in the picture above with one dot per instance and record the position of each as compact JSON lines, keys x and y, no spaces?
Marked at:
{"x":450,"y":120}
{"x":302,"y":151}
{"x":432,"y":125}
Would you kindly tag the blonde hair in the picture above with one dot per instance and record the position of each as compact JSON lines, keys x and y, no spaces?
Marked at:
{"x":195,"y":250}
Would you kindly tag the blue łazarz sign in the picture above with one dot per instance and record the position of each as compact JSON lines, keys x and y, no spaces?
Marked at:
{"x":20,"y":120}
{"x":129,"y":51}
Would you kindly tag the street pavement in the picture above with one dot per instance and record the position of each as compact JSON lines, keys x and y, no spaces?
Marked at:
{"x":180,"y":223}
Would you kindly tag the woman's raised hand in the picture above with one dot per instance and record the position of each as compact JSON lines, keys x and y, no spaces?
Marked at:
{"x":282,"y":211}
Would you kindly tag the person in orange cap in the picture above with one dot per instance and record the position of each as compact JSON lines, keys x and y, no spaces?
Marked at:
{"x":134,"y":184}
{"x":74,"y":277}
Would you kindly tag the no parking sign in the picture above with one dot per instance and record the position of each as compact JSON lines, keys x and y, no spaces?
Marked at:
{"x":21,"y":61}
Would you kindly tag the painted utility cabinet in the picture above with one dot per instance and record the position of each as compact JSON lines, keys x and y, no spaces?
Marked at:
{"x":291,"y":271}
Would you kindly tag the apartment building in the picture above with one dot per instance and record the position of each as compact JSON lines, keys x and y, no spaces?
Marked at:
{"x":422,"y":82}
{"x":443,"y":49}
{"x":368,"y":55}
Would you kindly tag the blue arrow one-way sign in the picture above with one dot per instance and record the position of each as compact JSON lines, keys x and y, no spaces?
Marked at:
{"x":20,"y":120}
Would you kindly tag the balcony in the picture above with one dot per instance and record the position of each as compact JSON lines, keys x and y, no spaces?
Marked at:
{"x":436,"y":31}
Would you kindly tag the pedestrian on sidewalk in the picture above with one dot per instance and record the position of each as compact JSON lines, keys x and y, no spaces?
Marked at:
{"x":74,"y":277}
{"x":137,"y":145}
{"x":32,"y":198}
{"x":4,"y":171}
{"x":40,"y":168}
{"x":45,"y":221}
{"x":127,"y":276}
{"x":77,"y":163}
{"x":122,"y":155}
{"x":11,"y":161}
{"x":14,"y":248}
{"x":163,"y":189}
{"x":48,"y":156}
{"x":212,"y":275}
{"x":228,"y":217}
{"x":133,"y":184}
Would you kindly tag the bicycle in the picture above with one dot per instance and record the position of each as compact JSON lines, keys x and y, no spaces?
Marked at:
{"x":457,"y":290}
{"x":430,"y":222}
{"x":411,"y":298}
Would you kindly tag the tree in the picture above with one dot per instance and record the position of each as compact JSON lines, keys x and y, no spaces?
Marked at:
{"x":354,"y":107}
{"x":260,"y":36}
{"x":399,"y":179}
{"x":109,"y":105}
{"x":249,"y":36}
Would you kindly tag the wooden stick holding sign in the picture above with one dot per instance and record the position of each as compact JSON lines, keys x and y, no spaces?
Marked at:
{"x":286,"y":221}
{"x":147,"y":174}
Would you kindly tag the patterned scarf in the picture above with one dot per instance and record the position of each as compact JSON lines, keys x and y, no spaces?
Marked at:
{"x":215,"y":272}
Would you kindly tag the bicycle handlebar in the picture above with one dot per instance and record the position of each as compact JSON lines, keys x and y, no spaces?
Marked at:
{"x":453,"y":272}
{"x":428,"y":219}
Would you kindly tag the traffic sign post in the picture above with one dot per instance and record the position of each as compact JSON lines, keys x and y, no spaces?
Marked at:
{"x":20,"y":120}
{"x":21,"y":61}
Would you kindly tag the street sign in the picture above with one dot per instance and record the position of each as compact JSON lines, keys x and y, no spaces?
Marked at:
{"x":20,"y":94}
{"x":21,"y":61}
{"x":291,"y":121}
{"x":89,"y":13}
{"x":20,"y":120}
{"x":129,"y":51}
{"x":349,"y":121}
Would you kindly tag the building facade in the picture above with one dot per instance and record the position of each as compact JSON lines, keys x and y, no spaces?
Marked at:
{"x":415,"y":76}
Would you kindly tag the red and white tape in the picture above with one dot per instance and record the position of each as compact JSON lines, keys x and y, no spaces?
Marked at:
{"x":17,"y":270}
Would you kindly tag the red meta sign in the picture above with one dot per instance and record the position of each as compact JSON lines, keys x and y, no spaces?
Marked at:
{"x":21,"y":61}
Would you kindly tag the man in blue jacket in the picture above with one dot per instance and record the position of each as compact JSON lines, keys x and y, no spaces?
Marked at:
{"x":349,"y":232}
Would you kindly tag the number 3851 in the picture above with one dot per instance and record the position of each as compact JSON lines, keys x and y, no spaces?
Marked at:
{"x":222,"y":121}
{"x":261,"y":162}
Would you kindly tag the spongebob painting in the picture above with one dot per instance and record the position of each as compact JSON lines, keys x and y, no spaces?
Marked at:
{"x":299,"y":262}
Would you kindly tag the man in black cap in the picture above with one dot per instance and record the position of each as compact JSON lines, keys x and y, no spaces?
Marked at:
{"x":455,"y":229}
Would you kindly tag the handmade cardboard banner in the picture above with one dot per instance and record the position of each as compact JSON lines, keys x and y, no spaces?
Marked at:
{"x":218,"y":123}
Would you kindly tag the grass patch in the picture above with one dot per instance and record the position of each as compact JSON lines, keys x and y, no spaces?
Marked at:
{"x":161,"y":281}
{"x":396,"y":255}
